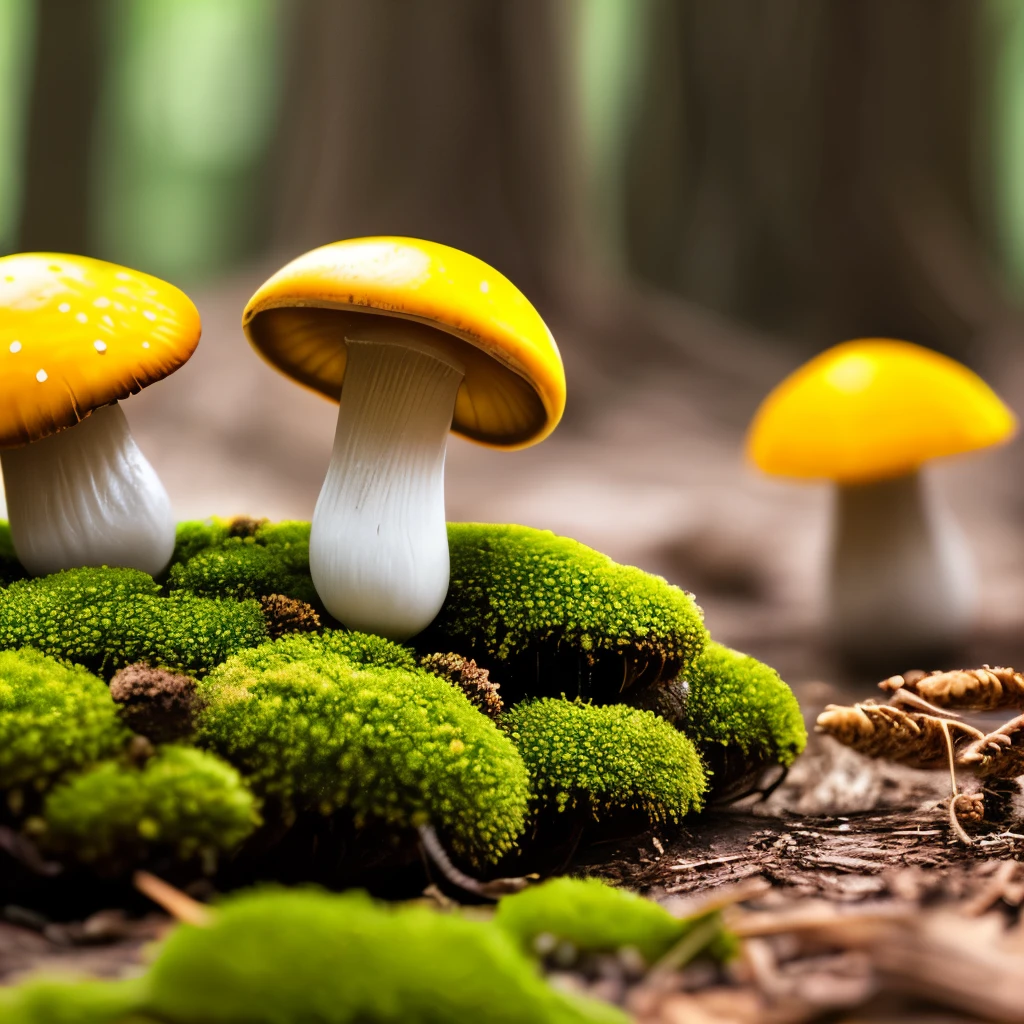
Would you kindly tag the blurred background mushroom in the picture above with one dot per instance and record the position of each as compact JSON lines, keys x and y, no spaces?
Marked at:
{"x":697,"y":195}
{"x":867,"y":415}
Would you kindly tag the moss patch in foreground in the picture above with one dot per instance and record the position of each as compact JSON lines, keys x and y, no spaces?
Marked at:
{"x":606,"y":758}
{"x":737,"y":701}
{"x":182,"y":800}
{"x":594,"y":917}
{"x":278,"y":956}
{"x":392,"y":744}
{"x":53,"y":718}
{"x":107,"y":618}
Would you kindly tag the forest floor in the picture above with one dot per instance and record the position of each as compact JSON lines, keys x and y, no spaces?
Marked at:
{"x":855,"y":899}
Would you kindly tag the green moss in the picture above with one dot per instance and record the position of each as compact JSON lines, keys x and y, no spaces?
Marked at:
{"x":197,"y":535}
{"x":606,"y":758}
{"x":277,"y":956}
{"x":597,"y":918}
{"x":184,"y":800}
{"x":106,"y":618}
{"x":46,"y":1001}
{"x":274,"y":560}
{"x":547,"y":615}
{"x":357,"y":648}
{"x":53,"y":718}
{"x":389,"y":744}
{"x":737,"y":701}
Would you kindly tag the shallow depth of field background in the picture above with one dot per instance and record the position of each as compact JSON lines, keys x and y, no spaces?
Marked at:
{"x":697,"y":194}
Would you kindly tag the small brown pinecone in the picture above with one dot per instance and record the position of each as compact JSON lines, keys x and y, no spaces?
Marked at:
{"x":155,"y":703}
{"x":244,"y":526}
{"x":287,"y":615}
{"x":469,"y":677}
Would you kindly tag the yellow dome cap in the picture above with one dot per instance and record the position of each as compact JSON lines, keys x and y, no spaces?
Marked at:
{"x":78,"y":333}
{"x":513,"y":394}
{"x":871,"y":409}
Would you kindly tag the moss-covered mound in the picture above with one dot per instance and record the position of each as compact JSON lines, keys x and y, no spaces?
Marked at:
{"x":594,"y":917}
{"x":107,"y":618}
{"x":389,"y":744}
{"x":549,"y":616}
{"x":243,"y":559}
{"x":606,"y":758}
{"x":278,"y":957}
{"x":741,"y":714}
{"x":54,"y":718}
{"x":184,"y":801}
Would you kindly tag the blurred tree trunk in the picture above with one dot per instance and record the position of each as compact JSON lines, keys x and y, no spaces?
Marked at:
{"x":62,"y":107}
{"x":457,"y":120}
{"x":446,"y":120}
{"x":814,"y":167}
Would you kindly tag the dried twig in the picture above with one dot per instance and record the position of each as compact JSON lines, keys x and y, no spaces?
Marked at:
{"x":179,"y":905}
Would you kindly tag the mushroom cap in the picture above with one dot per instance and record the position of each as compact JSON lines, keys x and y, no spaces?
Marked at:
{"x":77,"y":334}
{"x":873,"y":409}
{"x":513,"y":392}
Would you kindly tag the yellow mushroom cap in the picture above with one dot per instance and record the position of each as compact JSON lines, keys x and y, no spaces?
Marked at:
{"x":873,"y":409}
{"x":78,"y":333}
{"x":513,"y":394}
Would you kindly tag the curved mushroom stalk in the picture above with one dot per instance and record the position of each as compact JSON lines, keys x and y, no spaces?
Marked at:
{"x":87,"y":496}
{"x":902,"y":579}
{"x":378,"y":549}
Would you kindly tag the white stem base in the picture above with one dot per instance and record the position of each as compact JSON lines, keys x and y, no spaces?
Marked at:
{"x":902,"y":578}
{"x":87,"y":496}
{"x":378,"y":548}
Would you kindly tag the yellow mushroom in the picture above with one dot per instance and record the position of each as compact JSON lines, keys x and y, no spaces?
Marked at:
{"x":426,"y":339}
{"x":868,"y":415}
{"x":76,"y":336}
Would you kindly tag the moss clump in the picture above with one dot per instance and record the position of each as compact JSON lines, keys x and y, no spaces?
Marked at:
{"x":46,"y":1001}
{"x":397,"y":745}
{"x":735,"y":701}
{"x":596,"y":918}
{"x":183,"y":800}
{"x":357,"y":648}
{"x":276,"y":956}
{"x":107,"y":618}
{"x":606,"y":758}
{"x":271,"y":558}
{"x":547,"y":616}
{"x":53,"y":718}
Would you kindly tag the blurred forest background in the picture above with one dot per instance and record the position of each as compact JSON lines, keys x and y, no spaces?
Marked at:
{"x":697,"y":195}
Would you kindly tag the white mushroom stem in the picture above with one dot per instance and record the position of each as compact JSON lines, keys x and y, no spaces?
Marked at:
{"x":87,"y":496}
{"x":902,"y":580}
{"x":378,"y":550}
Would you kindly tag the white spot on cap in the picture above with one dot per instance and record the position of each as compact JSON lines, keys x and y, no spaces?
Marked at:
{"x":145,"y":344}
{"x":123,"y":276}
{"x":102,"y":302}
{"x":149,"y":314}
{"x":65,"y":307}
{"x":81,"y":318}
{"x":484,"y":287}
{"x":15,"y":346}
{"x":107,"y":320}
{"x":100,"y":346}
{"x":41,"y":376}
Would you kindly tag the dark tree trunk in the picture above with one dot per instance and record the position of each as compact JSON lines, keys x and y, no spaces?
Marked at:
{"x":444,"y":120}
{"x":62,"y":106}
{"x":813,"y":167}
